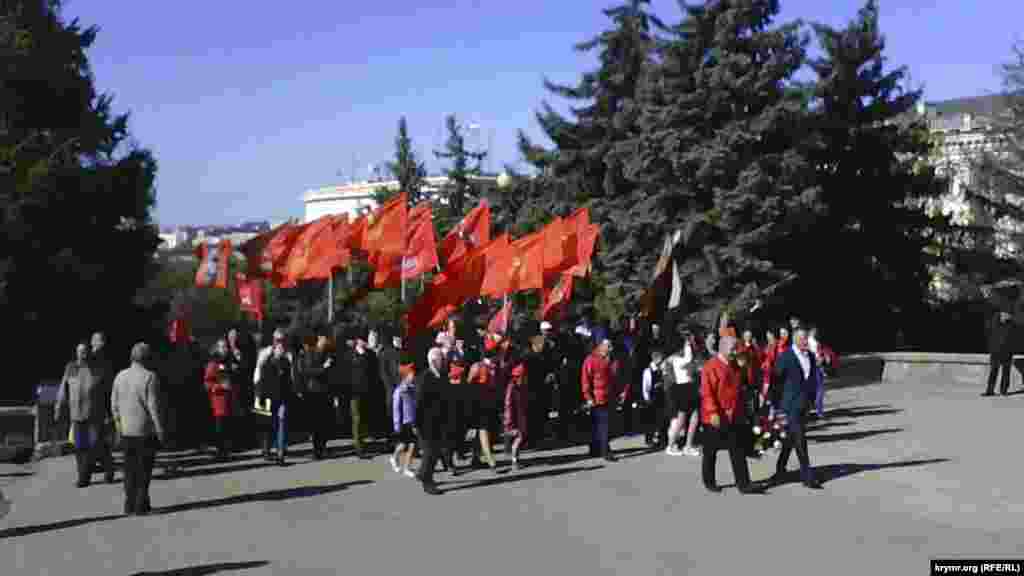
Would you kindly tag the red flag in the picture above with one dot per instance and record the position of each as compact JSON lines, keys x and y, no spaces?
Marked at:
{"x":518,"y":268}
{"x":254,"y":251}
{"x":249,"y":292}
{"x":213,"y":264}
{"x":586,"y":241}
{"x":499,"y":324}
{"x":557,"y":294}
{"x":385,"y":228}
{"x":420,"y":254}
{"x":474,"y":230}
{"x":329,"y":250}
{"x":294,"y":267}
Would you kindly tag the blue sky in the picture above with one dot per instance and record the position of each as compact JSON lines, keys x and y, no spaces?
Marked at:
{"x":248,"y":104}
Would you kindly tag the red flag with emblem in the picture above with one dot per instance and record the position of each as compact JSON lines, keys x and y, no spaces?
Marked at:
{"x":249,"y":292}
{"x":420,"y":251}
{"x":214,"y":258}
{"x":473,"y":231}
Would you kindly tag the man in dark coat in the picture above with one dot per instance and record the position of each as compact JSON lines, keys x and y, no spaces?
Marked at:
{"x":795,"y":368}
{"x":1000,"y":352}
{"x":315,"y":367}
{"x":364,"y":390}
{"x":103,"y":368}
{"x":432,"y":403}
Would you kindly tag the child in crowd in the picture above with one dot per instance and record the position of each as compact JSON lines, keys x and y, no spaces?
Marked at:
{"x":404,"y":416}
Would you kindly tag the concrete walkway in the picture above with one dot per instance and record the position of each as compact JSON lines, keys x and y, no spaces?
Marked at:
{"x":912,"y":471}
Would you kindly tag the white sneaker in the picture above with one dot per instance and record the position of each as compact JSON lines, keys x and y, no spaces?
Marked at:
{"x":673,"y":451}
{"x":394,"y":464}
{"x":409,"y":473}
{"x":692,"y":452}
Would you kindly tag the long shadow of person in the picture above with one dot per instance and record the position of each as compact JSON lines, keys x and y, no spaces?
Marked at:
{"x":830,"y":472}
{"x":859,"y":411}
{"x":207,"y":569}
{"x":268,"y":496}
{"x":517,"y":477}
{"x":849,"y":436}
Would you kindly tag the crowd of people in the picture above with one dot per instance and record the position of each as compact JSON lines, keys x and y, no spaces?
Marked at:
{"x":691,"y":395}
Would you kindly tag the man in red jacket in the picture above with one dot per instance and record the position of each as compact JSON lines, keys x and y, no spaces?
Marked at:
{"x":722,"y":416}
{"x":596,"y":379}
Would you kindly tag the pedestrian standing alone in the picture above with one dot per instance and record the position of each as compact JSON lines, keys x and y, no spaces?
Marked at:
{"x":136,"y":410}
{"x":82,"y":396}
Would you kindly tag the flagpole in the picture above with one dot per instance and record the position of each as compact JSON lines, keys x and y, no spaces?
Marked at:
{"x":330,"y":297}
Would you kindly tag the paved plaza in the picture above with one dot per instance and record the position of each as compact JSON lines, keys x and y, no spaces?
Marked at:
{"x":912,"y":470}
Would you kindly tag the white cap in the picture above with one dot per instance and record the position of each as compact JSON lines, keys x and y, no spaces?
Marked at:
{"x":582,"y":331}
{"x":545,"y":325}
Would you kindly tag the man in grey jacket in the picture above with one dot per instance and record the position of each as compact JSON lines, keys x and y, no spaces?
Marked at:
{"x":135,"y":402}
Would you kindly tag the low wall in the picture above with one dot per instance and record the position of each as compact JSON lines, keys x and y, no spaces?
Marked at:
{"x":930,"y":366}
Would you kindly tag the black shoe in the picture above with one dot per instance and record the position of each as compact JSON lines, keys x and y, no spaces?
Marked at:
{"x":1004,"y":392}
{"x":751,"y":489}
{"x":109,"y":478}
{"x":609,"y":457}
{"x":82,"y":484}
{"x":987,"y":393}
{"x":268,"y":456}
{"x":712,"y":488}
{"x":280,"y":461}
{"x":431,"y":489}
{"x":813,"y":484}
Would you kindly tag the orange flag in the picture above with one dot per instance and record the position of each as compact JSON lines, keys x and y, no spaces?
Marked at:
{"x":518,"y":268}
{"x":585,"y":244}
{"x":299,"y":256}
{"x":420,"y":253}
{"x":249,"y":292}
{"x":469,"y":273}
{"x":474,"y":230}
{"x":253,"y":250}
{"x":329,"y":250}
{"x":385,"y":228}
{"x":557,"y":294}
{"x":213,"y":264}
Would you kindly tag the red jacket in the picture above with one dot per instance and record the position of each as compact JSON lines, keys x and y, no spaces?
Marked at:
{"x":753,"y":361}
{"x":596,"y":379}
{"x":719,"y":392}
{"x":220,"y":396}
{"x":516,"y":400}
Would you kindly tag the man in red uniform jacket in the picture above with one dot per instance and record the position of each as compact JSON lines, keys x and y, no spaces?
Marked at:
{"x":596,"y":379}
{"x":722,"y":416}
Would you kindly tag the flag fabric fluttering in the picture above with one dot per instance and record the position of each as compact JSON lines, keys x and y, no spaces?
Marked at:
{"x":329,"y":250}
{"x":419,"y":255}
{"x":214,"y":258}
{"x":473,"y":231}
{"x":557,"y":295}
{"x":249,"y":292}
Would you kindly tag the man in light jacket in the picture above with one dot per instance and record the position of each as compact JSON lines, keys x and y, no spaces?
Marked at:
{"x":135,"y":402}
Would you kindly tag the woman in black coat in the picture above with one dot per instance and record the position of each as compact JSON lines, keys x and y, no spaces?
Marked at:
{"x":278,"y":387}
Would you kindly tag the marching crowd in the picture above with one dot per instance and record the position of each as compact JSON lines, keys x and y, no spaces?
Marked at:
{"x":689,"y":396}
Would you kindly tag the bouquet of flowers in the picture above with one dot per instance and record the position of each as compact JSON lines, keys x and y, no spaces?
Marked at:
{"x":769,"y":432}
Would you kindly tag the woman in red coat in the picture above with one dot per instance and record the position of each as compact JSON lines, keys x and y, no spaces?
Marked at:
{"x":221,"y":394}
{"x":516,"y":411}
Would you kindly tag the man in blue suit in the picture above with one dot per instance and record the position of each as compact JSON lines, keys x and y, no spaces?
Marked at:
{"x":795,"y":369}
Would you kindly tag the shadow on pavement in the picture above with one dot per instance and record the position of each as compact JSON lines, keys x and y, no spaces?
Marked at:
{"x":825,"y":474}
{"x":211,"y":470}
{"x":817,"y":425}
{"x":28,"y":530}
{"x":269,"y":496}
{"x":518,"y":477}
{"x":207,"y":569}
{"x":15,"y":474}
{"x":848,"y":436}
{"x":859,"y":411}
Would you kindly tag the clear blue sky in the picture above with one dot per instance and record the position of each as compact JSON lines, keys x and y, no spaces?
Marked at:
{"x":248,"y":104}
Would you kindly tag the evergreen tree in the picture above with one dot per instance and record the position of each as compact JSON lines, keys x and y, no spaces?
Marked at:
{"x":991,"y":248}
{"x":406,"y":168}
{"x":76,"y":193}
{"x":460,"y":194}
{"x":863,"y":261}
{"x":719,"y":152}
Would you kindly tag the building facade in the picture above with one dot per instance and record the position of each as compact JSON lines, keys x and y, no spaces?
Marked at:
{"x":963,"y":131}
{"x":357,"y":197}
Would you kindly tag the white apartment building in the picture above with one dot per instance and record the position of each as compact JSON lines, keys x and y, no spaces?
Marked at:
{"x":356,"y":197}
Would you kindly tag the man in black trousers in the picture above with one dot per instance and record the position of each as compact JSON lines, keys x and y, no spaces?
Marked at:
{"x":1000,"y":352}
{"x":795,"y":369}
{"x":432,"y":415}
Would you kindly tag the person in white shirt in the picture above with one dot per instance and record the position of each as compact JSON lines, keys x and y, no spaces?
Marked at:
{"x":654,"y":396}
{"x":682,"y":399}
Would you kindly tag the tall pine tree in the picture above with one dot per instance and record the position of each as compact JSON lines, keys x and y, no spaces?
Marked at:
{"x":461,"y":193}
{"x":721,"y":153}
{"x":75,"y":194}
{"x":406,"y":168}
{"x":863,"y":262}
